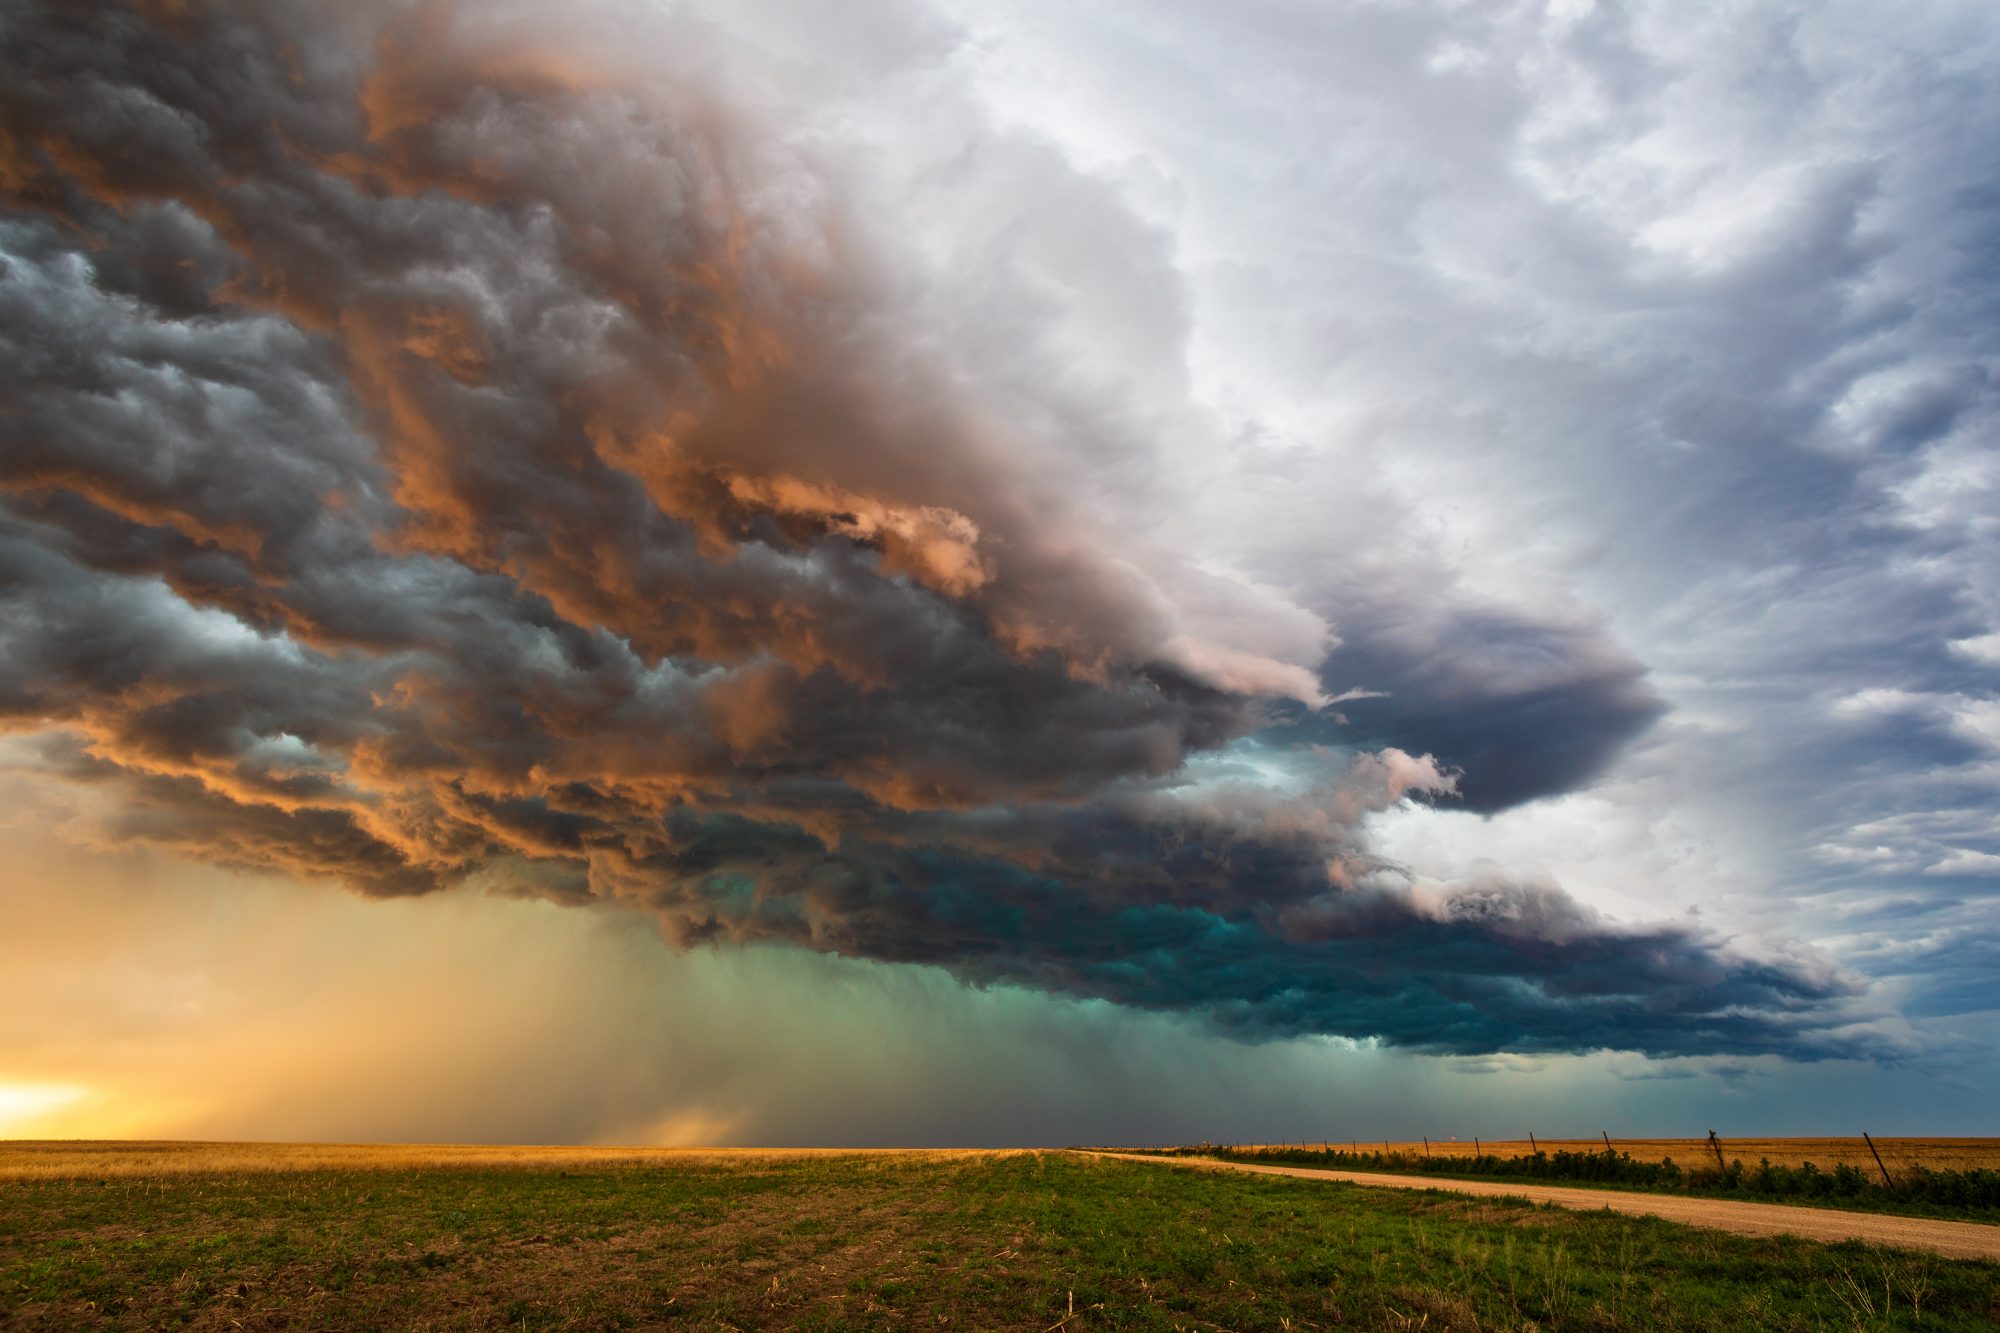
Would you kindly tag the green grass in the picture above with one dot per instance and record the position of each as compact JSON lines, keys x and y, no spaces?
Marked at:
{"x":1032,"y":1241}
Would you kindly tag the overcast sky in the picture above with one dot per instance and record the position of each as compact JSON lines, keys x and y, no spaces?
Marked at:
{"x":913,"y":573}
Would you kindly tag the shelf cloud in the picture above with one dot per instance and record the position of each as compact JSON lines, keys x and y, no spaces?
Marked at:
{"x":442,"y":447}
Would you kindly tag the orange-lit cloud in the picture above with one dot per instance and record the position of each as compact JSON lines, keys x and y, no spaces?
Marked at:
{"x":438,"y":454}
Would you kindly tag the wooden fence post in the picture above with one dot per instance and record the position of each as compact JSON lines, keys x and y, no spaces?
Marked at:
{"x":1878,"y":1159}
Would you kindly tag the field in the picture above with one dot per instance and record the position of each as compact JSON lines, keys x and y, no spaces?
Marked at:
{"x":253,"y":1237}
{"x":72,"y":1159}
{"x":1941,"y":1178}
{"x":1928,"y":1154}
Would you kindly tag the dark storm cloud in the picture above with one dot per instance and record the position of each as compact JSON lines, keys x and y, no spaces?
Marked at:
{"x":1486,"y":967}
{"x":436,"y":451}
{"x":1519,"y":709}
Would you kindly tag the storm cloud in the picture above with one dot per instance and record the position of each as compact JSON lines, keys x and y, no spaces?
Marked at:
{"x":443,"y":449}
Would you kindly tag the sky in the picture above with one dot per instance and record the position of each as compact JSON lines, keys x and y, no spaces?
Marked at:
{"x":931,"y":573}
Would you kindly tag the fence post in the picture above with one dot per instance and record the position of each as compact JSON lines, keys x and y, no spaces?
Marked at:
{"x":1878,"y":1159}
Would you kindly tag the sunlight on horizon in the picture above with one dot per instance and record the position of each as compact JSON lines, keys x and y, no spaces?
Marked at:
{"x":31,"y":1106}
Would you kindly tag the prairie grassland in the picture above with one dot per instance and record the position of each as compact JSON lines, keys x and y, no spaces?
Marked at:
{"x":77,"y":1159}
{"x":1047,"y":1242}
{"x":1915,"y":1186}
{"x":1930,"y":1154}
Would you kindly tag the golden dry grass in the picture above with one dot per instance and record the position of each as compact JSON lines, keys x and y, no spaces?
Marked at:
{"x":80,"y":1159}
{"x":1935,"y":1154}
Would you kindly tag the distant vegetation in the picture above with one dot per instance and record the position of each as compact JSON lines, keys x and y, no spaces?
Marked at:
{"x":1913,"y":1188}
{"x":1045,"y":1242}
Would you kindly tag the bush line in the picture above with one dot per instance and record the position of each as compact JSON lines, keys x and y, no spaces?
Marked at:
{"x":1977,"y":1189}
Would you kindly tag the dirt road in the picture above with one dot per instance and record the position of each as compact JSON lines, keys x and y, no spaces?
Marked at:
{"x":1954,"y":1240}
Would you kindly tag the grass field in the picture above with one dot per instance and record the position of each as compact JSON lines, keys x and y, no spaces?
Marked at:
{"x":1945,"y":1178}
{"x":73,"y":1159}
{"x":1827,"y":1153}
{"x":236,"y":1236}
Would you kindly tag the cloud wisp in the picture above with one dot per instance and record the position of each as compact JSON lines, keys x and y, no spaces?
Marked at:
{"x":437,"y":450}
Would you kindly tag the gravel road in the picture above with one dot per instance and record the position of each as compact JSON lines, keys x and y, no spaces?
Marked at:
{"x":1954,"y":1240}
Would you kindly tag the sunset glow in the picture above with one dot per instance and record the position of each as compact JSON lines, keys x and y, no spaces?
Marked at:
{"x":27,"y":1110}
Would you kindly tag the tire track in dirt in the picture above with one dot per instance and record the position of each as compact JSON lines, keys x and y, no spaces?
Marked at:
{"x":1953,"y":1240}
